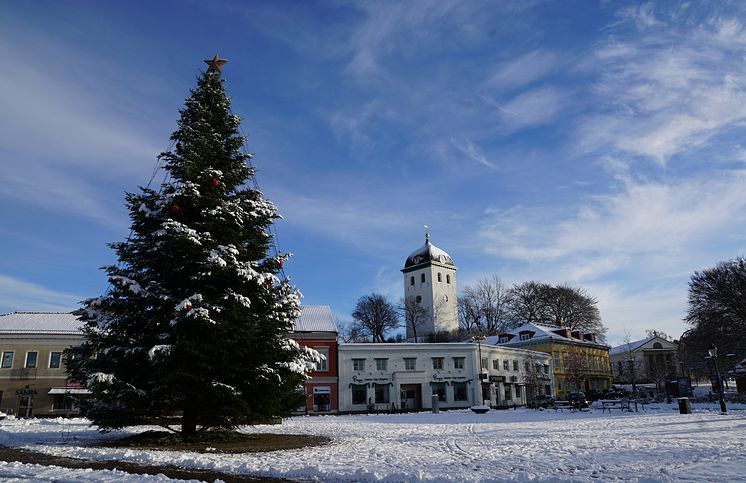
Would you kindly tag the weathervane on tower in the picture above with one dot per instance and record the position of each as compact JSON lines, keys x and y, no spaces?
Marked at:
{"x":427,"y":234}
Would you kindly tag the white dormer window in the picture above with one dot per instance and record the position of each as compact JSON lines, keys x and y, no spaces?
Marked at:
{"x":504,"y":339}
{"x":524,"y":337}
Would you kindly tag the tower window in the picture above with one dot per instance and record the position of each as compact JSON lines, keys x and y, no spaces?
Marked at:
{"x":448,"y":278}
{"x":411,"y":280}
{"x":439,"y":280}
{"x":418,"y":299}
{"x":422,"y":278}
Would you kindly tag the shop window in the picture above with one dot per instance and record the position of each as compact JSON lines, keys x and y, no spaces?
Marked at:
{"x":437,"y":363}
{"x":358,"y":364}
{"x":359,"y":394}
{"x":7,"y":361}
{"x":508,"y":393}
{"x":439,"y":388}
{"x":459,"y":391}
{"x":458,"y":362}
{"x":382,"y":393}
{"x":62,"y":402}
{"x":31,"y":358}
{"x":55,"y":358}
{"x":410,"y":364}
{"x":381,"y":364}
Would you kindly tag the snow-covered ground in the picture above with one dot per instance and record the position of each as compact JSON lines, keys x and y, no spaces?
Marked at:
{"x":658,"y":444}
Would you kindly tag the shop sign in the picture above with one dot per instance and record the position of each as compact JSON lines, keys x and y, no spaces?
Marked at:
{"x":441,"y":378}
{"x":358,"y":380}
{"x":497,"y":378}
{"x":322,"y":390}
{"x":25,"y":392}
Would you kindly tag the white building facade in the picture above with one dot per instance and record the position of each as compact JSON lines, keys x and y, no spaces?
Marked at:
{"x":393,"y":377}
{"x":430,"y":281}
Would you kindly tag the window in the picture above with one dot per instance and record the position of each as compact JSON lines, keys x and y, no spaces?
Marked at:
{"x":418,"y":299}
{"x":358,"y":364}
{"x":515,"y":366}
{"x":439,"y":388}
{"x":657,"y":345}
{"x":525,"y":366}
{"x":437,"y":363}
{"x":55,"y":358}
{"x":381,"y":364}
{"x":547,"y":390}
{"x":448,"y":278}
{"x":506,"y":364}
{"x":422,"y":278}
{"x":7,"y":359}
{"x":496,"y":364}
{"x":31,"y":358}
{"x":459,"y":391}
{"x":410,"y":364}
{"x":458,"y":362}
{"x":525,"y":336}
{"x":556,"y":359}
{"x":504,"y":339}
{"x":484,"y":363}
{"x":508,"y":394}
{"x":62,"y":402}
{"x":546,"y":368}
{"x":411,"y":280}
{"x":359,"y":393}
{"x":382,"y":393}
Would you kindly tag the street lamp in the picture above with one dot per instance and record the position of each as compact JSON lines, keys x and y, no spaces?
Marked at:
{"x":713,"y":351}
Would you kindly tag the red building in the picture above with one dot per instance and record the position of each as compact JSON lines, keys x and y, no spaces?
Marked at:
{"x":316,"y":328}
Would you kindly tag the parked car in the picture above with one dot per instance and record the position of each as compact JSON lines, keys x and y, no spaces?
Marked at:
{"x":578,"y":400}
{"x":541,"y":402}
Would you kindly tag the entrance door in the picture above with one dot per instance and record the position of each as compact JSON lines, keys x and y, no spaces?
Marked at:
{"x":25,"y":406}
{"x":411,"y":397}
{"x":322,"y":402}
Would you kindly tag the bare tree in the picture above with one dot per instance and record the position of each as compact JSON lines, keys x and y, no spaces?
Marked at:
{"x":572,"y":307}
{"x":535,"y":378}
{"x":575,"y":364}
{"x":352,"y":332}
{"x":374,"y":316}
{"x":657,"y":333}
{"x":485,"y":305}
{"x":468,"y":313}
{"x":528,"y":304}
{"x":415,"y":315}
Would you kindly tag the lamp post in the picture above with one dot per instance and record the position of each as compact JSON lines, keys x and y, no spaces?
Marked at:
{"x":713,"y":351}
{"x":479,"y":397}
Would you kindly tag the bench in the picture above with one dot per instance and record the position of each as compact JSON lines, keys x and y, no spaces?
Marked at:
{"x":562,"y":405}
{"x":609,"y":404}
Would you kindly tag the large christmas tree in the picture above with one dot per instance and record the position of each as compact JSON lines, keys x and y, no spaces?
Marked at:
{"x":193,"y":328}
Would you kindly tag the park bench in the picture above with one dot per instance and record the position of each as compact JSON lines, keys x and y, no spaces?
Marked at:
{"x":609,"y":404}
{"x":562,"y":405}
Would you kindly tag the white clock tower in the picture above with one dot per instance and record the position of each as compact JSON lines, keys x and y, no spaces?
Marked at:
{"x":430,"y":281}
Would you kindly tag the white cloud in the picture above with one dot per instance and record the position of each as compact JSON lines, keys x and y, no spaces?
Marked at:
{"x":472,"y":151}
{"x":523,"y":70}
{"x":534,"y":107}
{"x":19,"y":295}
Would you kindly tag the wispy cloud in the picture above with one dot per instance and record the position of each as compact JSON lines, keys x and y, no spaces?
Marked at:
{"x":472,"y":151}
{"x":522,"y":71}
{"x":19,"y":295}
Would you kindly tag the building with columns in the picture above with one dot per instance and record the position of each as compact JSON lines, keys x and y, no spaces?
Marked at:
{"x":430,"y":282}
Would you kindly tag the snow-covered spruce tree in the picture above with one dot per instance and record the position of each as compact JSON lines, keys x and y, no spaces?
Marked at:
{"x":193,"y":329}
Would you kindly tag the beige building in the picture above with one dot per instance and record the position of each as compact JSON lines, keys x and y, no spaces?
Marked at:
{"x":32,"y":369}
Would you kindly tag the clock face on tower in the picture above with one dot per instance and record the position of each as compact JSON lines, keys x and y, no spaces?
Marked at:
{"x":417,"y":259}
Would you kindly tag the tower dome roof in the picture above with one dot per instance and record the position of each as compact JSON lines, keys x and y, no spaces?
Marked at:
{"x":428,"y":253}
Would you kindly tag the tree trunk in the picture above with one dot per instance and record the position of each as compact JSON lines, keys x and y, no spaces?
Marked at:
{"x":188,"y":423}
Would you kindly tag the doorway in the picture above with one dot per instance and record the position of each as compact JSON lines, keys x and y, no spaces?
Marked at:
{"x":411,"y":397}
{"x":25,"y":406}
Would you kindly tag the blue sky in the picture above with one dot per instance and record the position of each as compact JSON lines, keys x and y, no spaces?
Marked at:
{"x":601,"y":144}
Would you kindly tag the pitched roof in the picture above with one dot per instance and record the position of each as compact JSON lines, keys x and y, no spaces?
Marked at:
{"x":40,"y":323}
{"x":540,"y":332}
{"x":633,"y":346}
{"x":315,"y":318}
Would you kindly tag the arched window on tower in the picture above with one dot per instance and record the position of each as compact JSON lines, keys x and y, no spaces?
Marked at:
{"x":439,"y":280}
{"x":448,"y":278}
{"x":411,"y":280}
{"x":422,"y":278}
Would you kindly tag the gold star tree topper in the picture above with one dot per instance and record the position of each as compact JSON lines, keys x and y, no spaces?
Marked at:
{"x":216,"y":63}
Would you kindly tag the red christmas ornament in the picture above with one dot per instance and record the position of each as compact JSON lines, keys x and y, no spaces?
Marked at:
{"x":215,"y":182}
{"x":175,"y":209}
{"x":178,"y":147}
{"x":188,"y":307}
{"x":279,"y":263}
{"x":268,"y":282}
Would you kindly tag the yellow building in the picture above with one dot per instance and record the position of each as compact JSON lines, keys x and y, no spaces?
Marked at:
{"x":579,"y":361}
{"x":32,"y":369}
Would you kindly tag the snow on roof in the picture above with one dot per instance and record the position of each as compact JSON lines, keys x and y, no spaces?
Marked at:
{"x":40,"y":323}
{"x":427,"y":253}
{"x":315,"y":318}
{"x":540,"y":332}
{"x":631,"y":346}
